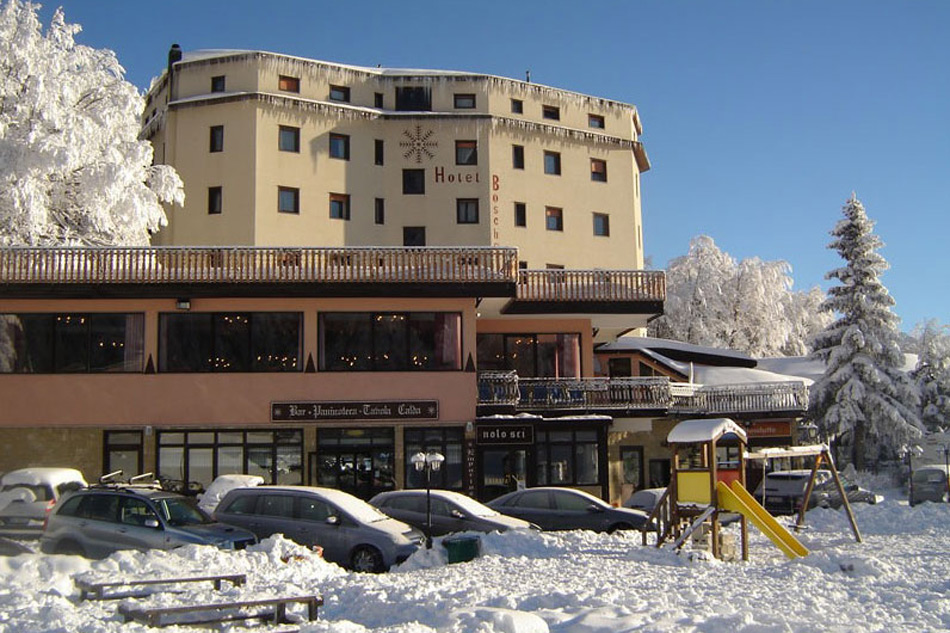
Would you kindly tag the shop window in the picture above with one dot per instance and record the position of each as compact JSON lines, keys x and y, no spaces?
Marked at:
{"x":288,"y":84}
{"x":414,"y":181}
{"x":464,"y":101}
{"x":340,"y":93}
{"x":201,"y":455}
{"x":288,"y":139}
{"x":466,"y":153}
{"x":447,"y":441}
{"x":340,"y":206}
{"x":218,"y":83}
{"x":216,"y":142}
{"x":595,"y":121}
{"x":568,"y":457}
{"x":412,"y":341}
{"x":517,"y":156}
{"x":552,"y":163}
{"x":288,"y":200}
{"x":530,"y":355}
{"x":550,"y":112}
{"x":521,"y":214}
{"x":229,"y":342}
{"x":466,"y":210}
{"x":598,"y":170}
{"x":214,"y":200}
{"x":359,"y":461}
{"x":340,"y":146}
{"x":72,"y":343}
{"x":602,"y":224}
{"x":553,"y":219}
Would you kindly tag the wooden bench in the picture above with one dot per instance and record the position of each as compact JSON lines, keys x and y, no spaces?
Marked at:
{"x":219,"y":611}
{"x":97,"y":590}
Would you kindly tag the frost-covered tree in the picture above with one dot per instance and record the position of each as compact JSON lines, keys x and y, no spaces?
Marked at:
{"x":865,"y":400}
{"x":73,"y":170}
{"x":932,"y":373}
{"x":749,"y":305}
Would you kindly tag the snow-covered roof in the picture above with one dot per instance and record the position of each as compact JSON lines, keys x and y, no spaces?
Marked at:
{"x":42,"y":476}
{"x":678,"y":350}
{"x":704,"y":430}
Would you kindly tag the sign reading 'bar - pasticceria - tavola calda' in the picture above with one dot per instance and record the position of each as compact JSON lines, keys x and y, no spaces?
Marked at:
{"x":350,"y":410}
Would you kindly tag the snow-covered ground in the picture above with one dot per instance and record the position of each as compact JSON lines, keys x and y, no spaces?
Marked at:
{"x":898,"y":579}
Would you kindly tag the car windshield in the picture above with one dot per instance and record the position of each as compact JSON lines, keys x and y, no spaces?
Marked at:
{"x":360,"y":510}
{"x":472,"y":507}
{"x":181,"y":511}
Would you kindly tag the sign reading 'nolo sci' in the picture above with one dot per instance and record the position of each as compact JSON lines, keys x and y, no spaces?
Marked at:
{"x":316,"y":411}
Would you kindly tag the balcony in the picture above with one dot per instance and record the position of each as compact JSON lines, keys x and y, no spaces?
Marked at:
{"x":592,"y":286}
{"x":501,"y":390}
{"x":472,"y":271}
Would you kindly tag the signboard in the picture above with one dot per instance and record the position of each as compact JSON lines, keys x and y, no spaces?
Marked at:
{"x":504,"y":434}
{"x":471,"y":471}
{"x":354,"y":410}
{"x":769,"y":429}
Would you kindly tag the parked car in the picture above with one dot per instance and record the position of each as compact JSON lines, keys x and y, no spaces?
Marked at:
{"x":647,"y":498}
{"x":222,"y":485}
{"x":567,"y":509}
{"x":450,"y":512}
{"x":929,"y":483}
{"x":100,"y":520}
{"x":351,"y":532}
{"x":28,"y":494}
{"x":784,"y":490}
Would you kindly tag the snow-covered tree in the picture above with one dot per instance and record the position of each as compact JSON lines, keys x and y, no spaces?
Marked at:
{"x":73,"y":170}
{"x":865,"y":400}
{"x":749,"y":305}
{"x":932,"y":373}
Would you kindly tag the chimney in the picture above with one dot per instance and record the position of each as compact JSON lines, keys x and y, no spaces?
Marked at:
{"x":174,"y":55}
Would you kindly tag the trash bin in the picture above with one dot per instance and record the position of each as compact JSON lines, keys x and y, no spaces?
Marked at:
{"x":460,"y":549}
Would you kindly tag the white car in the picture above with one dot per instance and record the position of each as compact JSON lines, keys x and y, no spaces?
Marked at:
{"x":28,"y":494}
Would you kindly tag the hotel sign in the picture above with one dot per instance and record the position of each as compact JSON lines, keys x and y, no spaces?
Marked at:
{"x":504,"y":434}
{"x":354,"y":410}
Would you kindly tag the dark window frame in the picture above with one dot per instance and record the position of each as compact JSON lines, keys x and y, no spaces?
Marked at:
{"x":466,"y":152}
{"x":521,"y":214}
{"x":449,"y":442}
{"x":463,"y":211}
{"x":554,"y":218}
{"x":339,"y":206}
{"x":414,"y":182}
{"x":517,"y":156}
{"x":288,"y":83}
{"x":379,"y":211}
{"x":548,"y":440}
{"x":339,"y":93}
{"x":598,"y":170}
{"x":379,"y":151}
{"x":551,"y":112}
{"x":219,"y":83}
{"x":596,"y":121}
{"x":288,"y":139}
{"x":464,"y":101}
{"x":552,"y":163}
{"x":517,"y":106}
{"x":215,"y":200}
{"x":292,"y":191}
{"x":216,"y":139}
{"x":339,"y":146}
{"x":602,"y":224}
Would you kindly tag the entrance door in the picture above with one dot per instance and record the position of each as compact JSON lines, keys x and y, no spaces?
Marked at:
{"x":362,"y":474}
{"x":502,"y":470}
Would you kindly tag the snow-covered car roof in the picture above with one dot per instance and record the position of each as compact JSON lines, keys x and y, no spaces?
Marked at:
{"x":223,"y":484}
{"x":703,"y":430}
{"x":42,"y":476}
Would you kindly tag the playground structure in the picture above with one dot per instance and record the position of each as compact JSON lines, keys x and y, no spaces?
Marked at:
{"x":708,"y":478}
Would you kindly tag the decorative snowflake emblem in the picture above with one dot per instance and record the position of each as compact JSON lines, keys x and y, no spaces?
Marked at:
{"x":418,"y":144}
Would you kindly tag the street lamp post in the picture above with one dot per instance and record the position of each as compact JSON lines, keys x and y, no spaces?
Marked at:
{"x":427,"y":463}
{"x":946,"y":464}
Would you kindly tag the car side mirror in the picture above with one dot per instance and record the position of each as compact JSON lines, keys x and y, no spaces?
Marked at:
{"x":152,"y":523}
{"x":333,"y":520}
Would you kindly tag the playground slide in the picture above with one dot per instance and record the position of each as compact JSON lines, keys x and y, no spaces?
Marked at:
{"x":738,"y":499}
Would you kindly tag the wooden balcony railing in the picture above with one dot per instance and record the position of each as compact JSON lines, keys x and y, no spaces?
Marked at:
{"x":257,"y":265}
{"x":763,"y":397}
{"x":591,"y":285}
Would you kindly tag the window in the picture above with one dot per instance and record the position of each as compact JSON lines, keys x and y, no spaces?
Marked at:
{"x":340,"y":146}
{"x":447,"y":441}
{"x":568,"y":457}
{"x":619,"y":368}
{"x":595,"y":121}
{"x":517,"y":156}
{"x":277,"y":456}
{"x":217,"y":139}
{"x":380,"y":211}
{"x":217,"y":84}
{"x":464,"y":101}
{"x":378,"y":152}
{"x":404,"y":341}
{"x":340,"y":93}
{"x":72,"y":343}
{"x":551,"y":112}
{"x":414,"y":181}
{"x":229,"y":342}
{"x":552,"y":163}
{"x":214,"y":200}
{"x":358,"y":461}
{"x":602,"y":224}
{"x":553,"y":219}
{"x":466,"y":153}
{"x":631,"y":458}
{"x":413,"y":99}
{"x":466,"y":210}
{"x":378,"y":99}
{"x":598,"y":170}
{"x":517,"y":106}
{"x":288,"y":139}
{"x":413,"y":236}
{"x":288,"y":84}
{"x":530,"y":355}
{"x":288,"y":200}
{"x":521,"y":214}
{"x":123,"y":451}
{"x":340,"y":206}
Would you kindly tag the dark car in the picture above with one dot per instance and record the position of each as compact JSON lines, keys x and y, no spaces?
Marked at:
{"x":929,"y":483}
{"x":567,"y":509}
{"x":450,"y":512}
{"x":784,"y":490}
{"x":351,"y":532}
{"x":98,"y":521}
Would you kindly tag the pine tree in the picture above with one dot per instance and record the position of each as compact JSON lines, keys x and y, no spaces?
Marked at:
{"x":73,"y":170}
{"x":864,"y":401}
{"x":932,"y":374}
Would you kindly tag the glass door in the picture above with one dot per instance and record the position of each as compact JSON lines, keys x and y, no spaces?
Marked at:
{"x":501,"y":470}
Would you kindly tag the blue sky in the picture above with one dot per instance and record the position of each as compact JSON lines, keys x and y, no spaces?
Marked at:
{"x":760,"y":117}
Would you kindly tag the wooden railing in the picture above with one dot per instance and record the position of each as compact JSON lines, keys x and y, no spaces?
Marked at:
{"x":591,"y":285}
{"x":257,"y":265}
{"x":762,"y":397}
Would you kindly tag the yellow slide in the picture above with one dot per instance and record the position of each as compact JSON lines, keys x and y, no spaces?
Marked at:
{"x":738,"y":499}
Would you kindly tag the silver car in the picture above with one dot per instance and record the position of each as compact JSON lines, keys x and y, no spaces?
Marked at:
{"x":351,"y":532}
{"x":28,"y":494}
{"x":450,"y":512}
{"x":98,"y":521}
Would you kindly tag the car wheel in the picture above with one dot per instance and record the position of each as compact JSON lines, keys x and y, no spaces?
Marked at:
{"x":366,"y":559}
{"x":70,"y":548}
{"x":619,"y":526}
